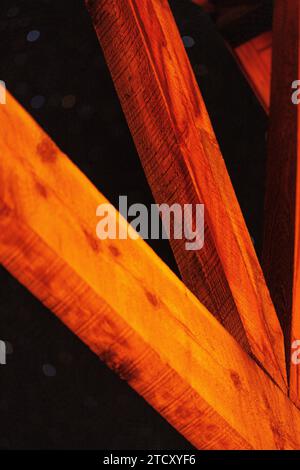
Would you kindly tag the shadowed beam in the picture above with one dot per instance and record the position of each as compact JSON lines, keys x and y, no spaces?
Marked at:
{"x":183,"y":164}
{"x":240,"y":20}
{"x":295,"y":366}
{"x":207,"y":5}
{"x":125,"y":303}
{"x":280,"y":242}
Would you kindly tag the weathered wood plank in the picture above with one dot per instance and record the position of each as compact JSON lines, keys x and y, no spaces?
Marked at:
{"x":283,"y":153}
{"x":183,"y":164}
{"x":125,"y":303}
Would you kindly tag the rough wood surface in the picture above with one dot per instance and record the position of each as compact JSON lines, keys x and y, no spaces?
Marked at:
{"x":283,"y":152}
{"x":126,"y":305}
{"x":295,"y":330}
{"x":182,"y":161}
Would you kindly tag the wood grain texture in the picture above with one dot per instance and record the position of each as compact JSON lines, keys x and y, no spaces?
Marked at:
{"x":295,"y":330}
{"x":255,"y":57}
{"x":125,"y":303}
{"x":182,"y":161}
{"x":283,"y":153}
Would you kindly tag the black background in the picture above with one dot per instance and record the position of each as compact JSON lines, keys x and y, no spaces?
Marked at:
{"x":55,"y":393}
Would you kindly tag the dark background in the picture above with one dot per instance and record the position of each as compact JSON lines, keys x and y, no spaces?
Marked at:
{"x":55,"y":393}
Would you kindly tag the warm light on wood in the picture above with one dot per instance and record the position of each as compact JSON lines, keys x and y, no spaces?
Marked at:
{"x":295,"y":331}
{"x":280,"y":258}
{"x":182,"y":161}
{"x":255,"y":58}
{"x":126,"y":304}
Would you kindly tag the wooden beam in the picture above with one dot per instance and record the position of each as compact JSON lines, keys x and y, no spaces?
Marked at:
{"x":295,"y":333}
{"x":255,"y":57}
{"x":182,"y":161}
{"x":279,"y":261}
{"x":241,"y":21}
{"x":126,"y":304}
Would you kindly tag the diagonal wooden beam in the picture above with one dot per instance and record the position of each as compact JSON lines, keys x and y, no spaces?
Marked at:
{"x":125,"y":303}
{"x":182,"y":161}
{"x":255,"y":58}
{"x":281,"y":209}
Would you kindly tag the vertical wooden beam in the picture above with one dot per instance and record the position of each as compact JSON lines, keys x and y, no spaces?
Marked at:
{"x":183,"y":164}
{"x":283,"y":154}
{"x":295,"y":336}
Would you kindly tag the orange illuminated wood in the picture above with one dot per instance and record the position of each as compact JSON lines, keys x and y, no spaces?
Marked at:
{"x":295,"y":333}
{"x":182,"y":161}
{"x":126,"y":304}
{"x":279,"y":261}
{"x":255,"y":57}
